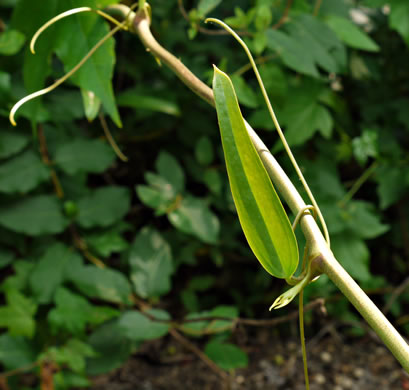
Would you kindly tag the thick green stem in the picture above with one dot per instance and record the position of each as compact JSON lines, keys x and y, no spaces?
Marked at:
{"x":324,"y":261}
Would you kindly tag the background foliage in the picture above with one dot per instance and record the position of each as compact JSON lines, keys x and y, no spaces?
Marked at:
{"x":94,"y":250}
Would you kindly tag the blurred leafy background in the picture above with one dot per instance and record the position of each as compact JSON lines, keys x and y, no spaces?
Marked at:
{"x":94,"y":250}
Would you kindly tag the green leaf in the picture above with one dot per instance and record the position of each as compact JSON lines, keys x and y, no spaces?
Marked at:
{"x":18,"y":281}
{"x":320,"y":40}
{"x":84,"y":155}
{"x":361,"y":218}
{"x":107,"y":242}
{"x":6,"y":257}
{"x":353,"y":255}
{"x":151,"y":264}
{"x":292,"y":52}
{"x":15,"y":352}
{"x":262,"y":216}
{"x":73,"y":353}
{"x":170,"y":169}
{"x":193,"y":216}
{"x":350,"y":34}
{"x":390,"y":187}
{"x":204,"y":151}
{"x":206,"y":6}
{"x":303,"y":115}
{"x":103,"y":207}
{"x":226,"y":356}
{"x":213,"y":180}
{"x":71,"y":313}
{"x":12,"y":142}
{"x":245,"y":94}
{"x":102,"y":283}
{"x":18,"y":315}
{"x":111,"y":346}
{"x":22,"y":173}
{"x":35,"y":215}
{"x":49,"y":272}
{"x":96,"y":74}
{"x":138,"y":327}
{"x":365,"y":146}
{"x":132,"y":98}
{"x":399,"y":18}
{"x":11,"y":41}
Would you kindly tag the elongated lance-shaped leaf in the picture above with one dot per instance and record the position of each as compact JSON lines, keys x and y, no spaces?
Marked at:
{"x":261,"y":214}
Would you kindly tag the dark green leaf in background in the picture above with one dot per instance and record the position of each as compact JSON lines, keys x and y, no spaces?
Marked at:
{"x":399,"y":18}
{"x":150,"y":259}
{"x":23,"y":173}
{"x":227,"y":356}
{"x":170,"y":169}
{"x":85,"y":30}
{"x":350,"y":34}
{"x":137,"y":327}
{"x":18,"y":315}
{"x":12,"y":142}
{"x":6,"y":257}
{"x":134,"y":98}
{"x":206,"y":6}
{"x":84,"y":155}
{"x":103,"y":283}
{"x":193,"y":216}
{"x":35,"y":215}
{"x":103,"y":207}
{"x":11,"y":41}
{"x":16,"y":352}
{"x":111,"y":346}
{"x":50,"y":271}
{"x":353,"y":255}
{"x":204,"y":151}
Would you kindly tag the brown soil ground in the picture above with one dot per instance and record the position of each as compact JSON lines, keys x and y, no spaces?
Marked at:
{"x":336,"y":362}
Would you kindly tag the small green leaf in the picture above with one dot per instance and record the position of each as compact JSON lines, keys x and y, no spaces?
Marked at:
{"x":6,"y":257}
{"x":226,"y":356}
{"x":71,"y":313}
{"x":49,"y":272}
{"x":18,"y":315}
{"x":16,"y":352}
{"x":11,"y":142}
{"x":206,"y":6}
{"x":365,"y":146}
{"x":73,"y":353}
{"x":350,"y":34}
{"x":353,"y":255}
{"x":399,"y":18}
{"x":96,"y":73}
{"x":193,"y":216}
{"x":262,"y":216}
{"x":138,"y":327}
{"x":204,"y":151}
{"x":132,"y":98}
{"x":103,"y":206}
{"x":11,"y":41}
{"x":111,"y":346}
{"x":390,"y":187}
{"x":107,"y":242}
{"x":150,"y":259}
{"x":292,"y":52}
{"x":84,"y":155}
{"x":245,"y":94}
{"x":36,"y":215}
{"x":22,"y":173}
{"x":170,"y":169}
{"x":103,"y":283}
